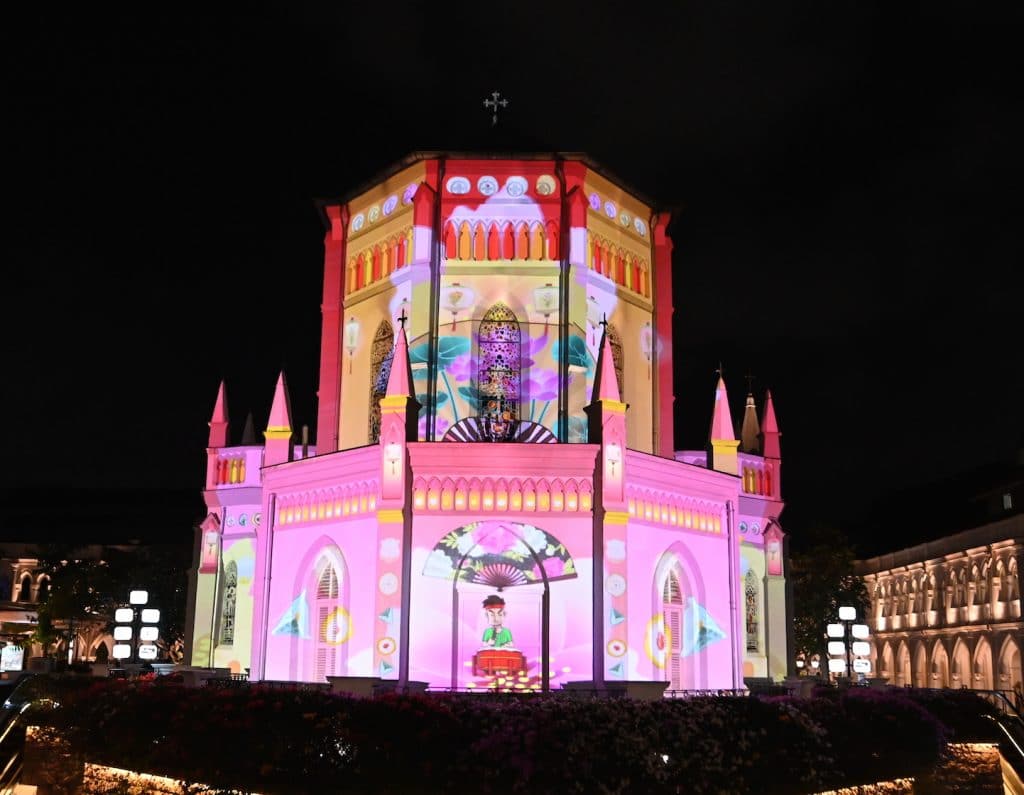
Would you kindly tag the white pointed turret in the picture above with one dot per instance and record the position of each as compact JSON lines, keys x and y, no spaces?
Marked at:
{"x":750,"y":432}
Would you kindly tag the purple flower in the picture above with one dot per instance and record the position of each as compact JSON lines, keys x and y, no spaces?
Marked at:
{"x":440,"y":424}
{"x":542,"y":386}
{"x":494,"y":538}
{"x":553,"y":567}
{"x":461,"y":367}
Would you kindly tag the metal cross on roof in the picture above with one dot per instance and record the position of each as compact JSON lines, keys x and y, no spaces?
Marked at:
{"x":402,"y":318}
{"x":494,"y":102}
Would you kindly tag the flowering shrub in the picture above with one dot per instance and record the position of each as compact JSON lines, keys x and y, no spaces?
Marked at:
{"x":306,"y":741}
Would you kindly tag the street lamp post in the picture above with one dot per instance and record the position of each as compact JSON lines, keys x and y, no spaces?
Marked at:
{"x":134,"y":624}
{"x":848,"y":646}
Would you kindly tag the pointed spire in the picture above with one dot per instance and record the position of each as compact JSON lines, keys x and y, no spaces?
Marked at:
{"x":249,"y":431}
{"x":770,"y":430}
{"x":278,"y":447}
{"x":280,"y":410}
{"x":400,"y":377}
{"x":219,"y":420}
{"x":721,"y":420}
{"x":723,"y":447}
{"x":750,"y":433}
{"x":768,"y":422}
{"x":606,"y":382}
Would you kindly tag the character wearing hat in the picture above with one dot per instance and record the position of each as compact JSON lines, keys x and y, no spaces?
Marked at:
{"x":496,"y":635}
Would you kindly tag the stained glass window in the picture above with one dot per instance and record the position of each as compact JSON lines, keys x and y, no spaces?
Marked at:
{"x":751,"y":593}
{"x":381,"y":355}
{"x":498,"y":364}
{"x":227,"y":617}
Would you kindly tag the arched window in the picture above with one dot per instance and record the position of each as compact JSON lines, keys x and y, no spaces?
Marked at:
{"x":227,"y":610}
{"x":498,"y":368}
{"x":328,"y":603}
{"x":672,"y":614}
{"x":381,"y":355}
{"x":43,"y":593}
{"x":752,"y":599}
{"x":25,"y":589}
{"x":615,"y":342}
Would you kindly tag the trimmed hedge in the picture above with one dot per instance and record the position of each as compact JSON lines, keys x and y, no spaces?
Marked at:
{"x":297,"y":741}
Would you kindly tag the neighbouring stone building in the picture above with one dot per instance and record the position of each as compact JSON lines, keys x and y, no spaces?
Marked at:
{"x":947,"y":612}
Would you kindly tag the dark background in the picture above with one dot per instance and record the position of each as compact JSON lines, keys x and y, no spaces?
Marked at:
{"x":845,"y":179}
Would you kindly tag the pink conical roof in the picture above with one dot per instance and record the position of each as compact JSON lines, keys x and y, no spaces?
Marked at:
{"x":721,"y":421}
{"x":220,"y":408}
{"x":280,"y":411}
{"x":606,"y":383}
{"x":768,"y":423}
{"x":400,"y":377}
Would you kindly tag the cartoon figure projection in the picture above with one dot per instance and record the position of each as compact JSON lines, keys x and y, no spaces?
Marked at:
{"x":498,"y":656}
{"x":497,"y":634}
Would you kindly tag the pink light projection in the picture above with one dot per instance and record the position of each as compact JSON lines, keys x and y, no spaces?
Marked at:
{"x":516,"y":313}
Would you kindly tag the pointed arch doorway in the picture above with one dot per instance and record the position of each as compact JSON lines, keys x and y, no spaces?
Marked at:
{"x":498,"y":561}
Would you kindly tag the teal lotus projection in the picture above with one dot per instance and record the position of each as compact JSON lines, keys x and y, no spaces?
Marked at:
{"x":453,"y":354}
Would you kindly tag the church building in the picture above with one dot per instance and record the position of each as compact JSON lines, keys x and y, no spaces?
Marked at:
{"x":493,"y":499}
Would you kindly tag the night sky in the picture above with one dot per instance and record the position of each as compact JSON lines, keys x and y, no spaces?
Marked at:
{"x":845,"y":178}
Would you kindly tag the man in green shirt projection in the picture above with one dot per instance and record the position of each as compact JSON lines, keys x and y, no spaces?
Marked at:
{"x":496,"y":634}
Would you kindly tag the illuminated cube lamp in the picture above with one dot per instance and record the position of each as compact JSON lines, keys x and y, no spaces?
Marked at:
{"x":122,"y":651}
{"x":124,"y":615}
{"x":138,"y":597}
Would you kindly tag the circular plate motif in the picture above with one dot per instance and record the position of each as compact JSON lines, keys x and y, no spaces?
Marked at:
{"x":357,"y":222}
{"x":337,"y":627}
{"x":488,"y":186}
{"x":625,"y":219}
{"x":458,"y":185}
{"x":386,"y":646}
{"x":516,"y":186}
{"x":615,"y":584}
{"x":640,"y":227}
{"x":743,"y":527}
{"x":374,"y":213}
{"x":595,"y":201}
{"x":390,"y":205}
{"x":616,"y":648}
{"x":545,"y":185}
{"x":257,"y":519}
{"x":408,"y":194}
{"x":243,"y":519}
{"x":388,"y":584}
{"x":610,"y":210}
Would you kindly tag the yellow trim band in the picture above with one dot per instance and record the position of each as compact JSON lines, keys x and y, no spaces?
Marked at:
{"x":616,"y":517}
{"x":390,"y":516}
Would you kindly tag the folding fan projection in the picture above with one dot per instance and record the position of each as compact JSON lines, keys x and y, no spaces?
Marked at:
{"x":500,"y":554}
